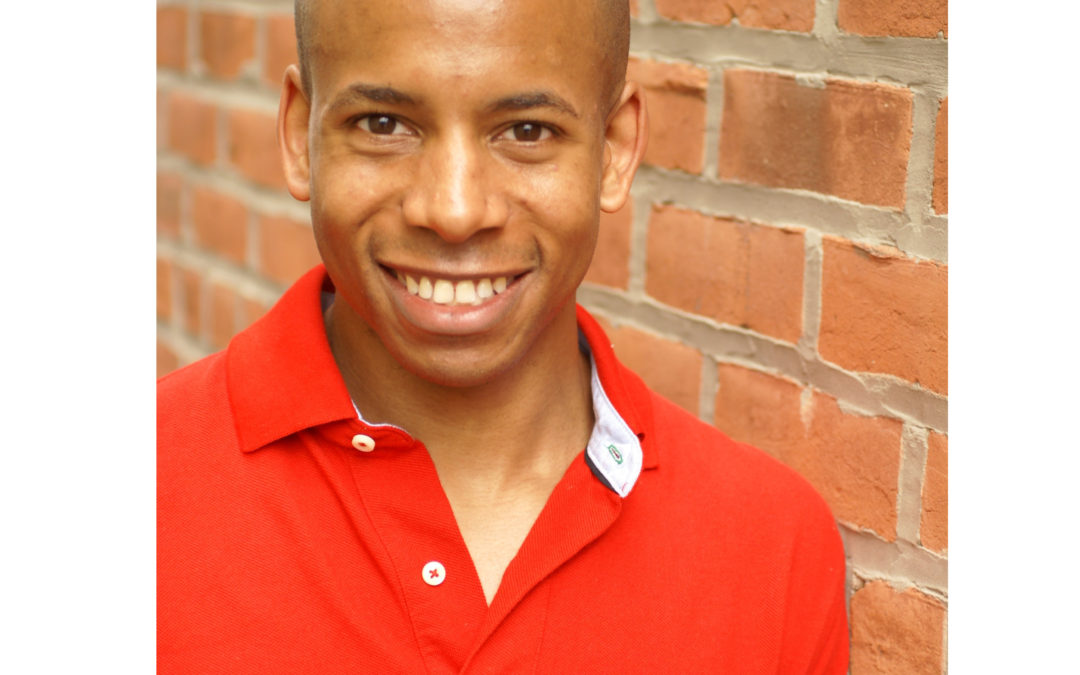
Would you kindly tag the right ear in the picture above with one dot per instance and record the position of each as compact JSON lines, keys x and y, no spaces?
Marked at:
{"x":294,"y":110}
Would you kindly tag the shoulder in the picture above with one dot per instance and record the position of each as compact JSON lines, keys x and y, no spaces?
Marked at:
{"x":193,"y":388}
{"x":710,"y":472}
{"x":193,"y":408}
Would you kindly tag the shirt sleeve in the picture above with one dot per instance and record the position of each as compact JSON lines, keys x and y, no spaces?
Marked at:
{"x":816,"y":624}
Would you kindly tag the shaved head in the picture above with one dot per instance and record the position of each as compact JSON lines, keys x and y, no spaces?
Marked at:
{"x":610,"y":27}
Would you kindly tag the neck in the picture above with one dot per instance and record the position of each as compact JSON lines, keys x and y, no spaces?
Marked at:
{"x":519,"y":428}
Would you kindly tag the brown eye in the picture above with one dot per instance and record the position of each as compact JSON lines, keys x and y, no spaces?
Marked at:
{"x":380,"y":124}
{"x":527,"y":132}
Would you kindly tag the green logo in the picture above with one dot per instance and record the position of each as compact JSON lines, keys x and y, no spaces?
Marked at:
{"x":615,"y":454}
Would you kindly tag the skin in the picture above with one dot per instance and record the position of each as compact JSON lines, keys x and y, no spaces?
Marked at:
{"x":488,"y":151}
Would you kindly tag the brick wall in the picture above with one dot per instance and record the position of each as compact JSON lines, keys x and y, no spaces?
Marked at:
{"x":781,"y":270}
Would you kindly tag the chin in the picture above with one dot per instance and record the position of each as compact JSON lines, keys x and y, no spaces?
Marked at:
{"x":459,"y":373}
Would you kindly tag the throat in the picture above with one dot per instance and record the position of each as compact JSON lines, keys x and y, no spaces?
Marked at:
{"x":495,"y":526}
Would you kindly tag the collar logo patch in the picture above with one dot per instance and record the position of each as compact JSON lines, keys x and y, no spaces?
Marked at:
{"x":615,"y":454}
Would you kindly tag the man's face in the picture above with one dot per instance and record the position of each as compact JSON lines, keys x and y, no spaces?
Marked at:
{"x":456,"y":154}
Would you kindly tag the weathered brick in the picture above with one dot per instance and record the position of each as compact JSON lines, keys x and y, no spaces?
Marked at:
{"x":611,"y":262}
{"x":675,"y":94}
{"x":848,"y":139}
{"x":167,"y":360}
{"x":793,"y":15}
{"x":280,"y":47}
{"x":934,"y":525}
{"x":884,"y":313}
{"x":222,"y":316}
{"x":852,"y":461}
{"x":226,"y":43}
{"x":253,"y":147}
{"x":169,"y":187}
{"x":893,"y":632}
{"x":220,"y":223}
{"x":164,"y":289}
{"x":191,"y":299}
{"x":941,"y":159}
{"x":192,"y":127}
{"x":671,"y":369}
{"x":898,"y":18}
{"x":172,"y":37}
{"x":286,"y":249}
{"x":734,"y":272}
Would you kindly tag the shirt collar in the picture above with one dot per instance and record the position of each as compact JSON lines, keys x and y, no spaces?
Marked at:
{"x":282,"y":378}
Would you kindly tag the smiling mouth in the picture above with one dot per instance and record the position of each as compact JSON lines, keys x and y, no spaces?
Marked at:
{"x":456,"y":292}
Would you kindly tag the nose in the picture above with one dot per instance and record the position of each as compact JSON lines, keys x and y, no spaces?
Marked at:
{"x":455,"y":191}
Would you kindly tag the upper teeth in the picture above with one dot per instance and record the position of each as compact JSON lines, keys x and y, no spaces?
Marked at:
{"x":444,"y":292}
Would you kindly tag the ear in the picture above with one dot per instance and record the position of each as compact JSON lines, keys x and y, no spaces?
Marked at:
{"x":294,"y":110}
{"x":625,"y":137}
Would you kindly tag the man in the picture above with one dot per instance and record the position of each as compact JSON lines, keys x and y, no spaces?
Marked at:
{"x":425,"y":458}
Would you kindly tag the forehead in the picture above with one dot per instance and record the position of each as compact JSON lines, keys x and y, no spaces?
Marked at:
{"x":459,"y":43}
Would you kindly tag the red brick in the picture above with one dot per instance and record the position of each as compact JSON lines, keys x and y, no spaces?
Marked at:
{"x":672,"y":369}
{"x":286,"y":249}
{"x":253,"y":149}
{"x":192,"y":127}
{"x":222,"y":314}
{"x":934,"y":526}
{"x":941,"y":160}
{"x":226,"y":43}
{"x":220,"y":223}
{"x":898,"y":18}
{"x":167,"y":360}
{"x":611,"y":262}
{"x":848,"y":139}
{"x":853,"y":461}
{"x":191,"y":305}
{"x":169,"y":187}
{"x":675,"y":94}
{"x":164,"y":289}
{"x":793,"y":15}
{"x":894,"y":632}
{"x":172,"y":37}
{"x":884,"y":313}
{"x":633,"y":8}
{"x":280,"y":48}
{"x":734,"y":272}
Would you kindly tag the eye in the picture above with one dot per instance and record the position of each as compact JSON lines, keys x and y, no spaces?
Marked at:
{"x":383,"y":125}
{"x":528,"y":132}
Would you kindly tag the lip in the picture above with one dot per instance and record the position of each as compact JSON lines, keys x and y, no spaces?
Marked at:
{"x":452,"y":320}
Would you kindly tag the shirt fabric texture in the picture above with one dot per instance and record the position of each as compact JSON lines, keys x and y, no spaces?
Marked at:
{"x":287,"y":543}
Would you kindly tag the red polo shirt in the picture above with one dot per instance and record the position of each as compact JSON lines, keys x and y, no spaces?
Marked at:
{"x":294,"y":537}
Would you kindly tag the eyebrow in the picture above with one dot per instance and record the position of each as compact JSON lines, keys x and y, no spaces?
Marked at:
{"x":515,"y":102}
{"x":366,"y":92}
{"x":534,"y":99}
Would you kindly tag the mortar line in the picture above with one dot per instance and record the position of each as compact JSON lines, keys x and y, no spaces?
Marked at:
{"x":825,"y":20}
{"x":919,"y":184}
{"x":708,"y":390}
{"x":812,"y":286}
{"x":639,"y":224}
{"x":913,"y":450}
{"x":714,"y":119}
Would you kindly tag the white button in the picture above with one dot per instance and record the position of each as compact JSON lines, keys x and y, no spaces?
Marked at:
{"x":434,"y":573}
{"x":363,"y":443}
